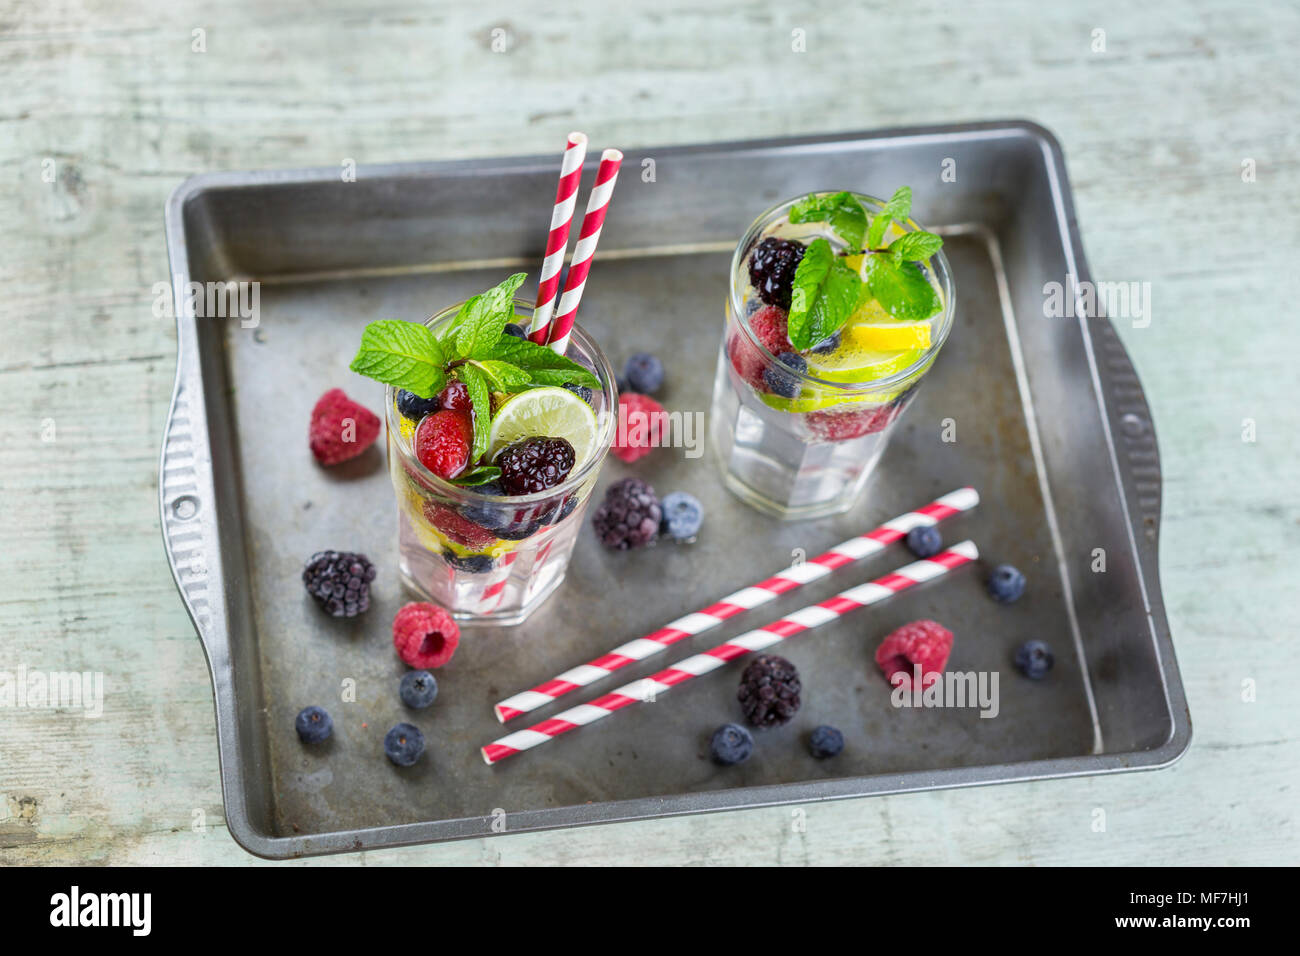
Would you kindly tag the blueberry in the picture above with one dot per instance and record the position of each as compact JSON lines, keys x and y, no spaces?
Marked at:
{"x":404,"y":744}
{"x":781,"y":382}
{"x":752,"y":305}
{"x":644,"y":373}
{"x":555,"y":513}
{"x":1006,"y":584}
{"x":518,"y":530}
{"x":418,"y":689}
{"x":682,"y":516}
{"x":489,"y":515}
{"x":516,"y":330}
{"x":825,"y":741}
{"x":414,"y":407}
{"x":731,"y":744}
{"x":582,"y":391}
{"x":1034,"y":658}
{"x":925,"y":541}
{"x":470,"y":563}
{"x":827,"y":345}
{"x":313,"y":725}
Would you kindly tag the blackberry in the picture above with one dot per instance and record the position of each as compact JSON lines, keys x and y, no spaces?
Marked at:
{"x":781,"y":382}
{"x":629,"y":516}
{"x":1006,"y":584}
{"x":731,"y":744}
{"x":644,"y":373}
{"x":313,"y":725}
{"x":340,"y":582}
{"x":513,"y":328}
{"x":825,"y":741}
{"x":414,"y":407}
{"x":584,"y":392}
{"x":534,"y":464}
{"x":925,"y":541}
{"x":403,"y":744}
{"x":1034,"y":658}
{"x":418,"y":689}
{"x":771,"y":269}
{"x":471,"y":563}
{"x":769,"y":691}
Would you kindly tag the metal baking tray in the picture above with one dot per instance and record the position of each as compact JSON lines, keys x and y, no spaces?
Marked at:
{"x":1051,"y":427}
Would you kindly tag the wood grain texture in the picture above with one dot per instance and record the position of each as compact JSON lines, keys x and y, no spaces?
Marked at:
{"x":1155,"y":131}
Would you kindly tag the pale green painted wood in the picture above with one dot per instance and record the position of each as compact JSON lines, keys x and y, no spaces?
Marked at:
{"x":1155,"y":131}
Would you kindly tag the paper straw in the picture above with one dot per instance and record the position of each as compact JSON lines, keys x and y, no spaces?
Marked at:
{"x":650,"y":688}
{"x":797,"y":575}
{"x":588,"y":236}
{"x":557,"y":241}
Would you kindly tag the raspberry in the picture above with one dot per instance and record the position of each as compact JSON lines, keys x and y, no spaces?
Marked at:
{"x":771,"y":269}
{"x":534,"y":464}
{"x":771,"y":326}
{"x":769,"y":691}
{"x":629,"y":516}
{"x":641,"y":426}
{"x":922,"y":643}
{"x":457,"y":527}
{"x":442,"y":442}
{"x":746,"y":359}
{"x":455,"y":397}
{"x":836,"y":425}
{"x":340,"y":428}
{"x":340,"y":582}
{"x":425,"y":635}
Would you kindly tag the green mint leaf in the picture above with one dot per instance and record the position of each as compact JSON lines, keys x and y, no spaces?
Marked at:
{"x":478,"y":476}
{"x":402,"y":354}
{"x":479,"y":327}
{"x":558,"y":376}
{"x":841,"y":210}
{"x":898,"y":208}
{"x":504,"y":376}
{"x":915,"y":246}
{"x":809,"y":277}
{"x":535,"y":359}
{"x":902,"y":289}
{"x":835,"y":302}
{"x":447,"y":334}
{"x":480,"y":396}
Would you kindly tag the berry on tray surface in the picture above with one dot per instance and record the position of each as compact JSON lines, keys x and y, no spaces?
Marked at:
{"x":313,"y":725}
{"x":413,"y":407}
{"x":1006,"y":584}
{"x":772,"y":267}
{"x":534,"y":464}
{"x":404,"y":744}
{"x":629,"y":516}
{"x":641,"y":425}
{"x":425,"y":635}
{"x":769,"y":691}
{"x":731,"y":744}
{"x":340,"y":428}
{"x":443,"y":442}
{"x":340,"y":582}
{"x":926,"y":644}
{"x":682,"y":516}
{"x":644,"y":373}
{"x":1034,"y":658}
{"x":825,"y":741}
{"x":418,"y":689}
{"x":925,"y":541}
{"x":781,"y":382}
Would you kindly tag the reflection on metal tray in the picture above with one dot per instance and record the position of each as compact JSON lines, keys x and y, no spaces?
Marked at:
{"x":1051,"y":427}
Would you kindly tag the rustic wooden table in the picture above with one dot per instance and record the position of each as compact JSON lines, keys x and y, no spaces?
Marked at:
{"x":1179,"y":122}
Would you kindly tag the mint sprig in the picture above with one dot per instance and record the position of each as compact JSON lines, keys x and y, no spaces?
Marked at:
{"x":482,"y":319}
{"x":844,"y":213}
{"x":902,"y":289}
{"x":897,"y":209}
{"x":404,"y":354}
{"x":481,"y":398}
{"x":825,"y":293}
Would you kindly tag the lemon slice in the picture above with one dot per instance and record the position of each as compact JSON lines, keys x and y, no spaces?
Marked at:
{"x":889,"y":336}
{"x":551,"y":411}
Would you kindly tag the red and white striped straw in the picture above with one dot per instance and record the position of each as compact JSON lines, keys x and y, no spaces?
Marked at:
{"x":802,"y":620}
{"x":797,"y":575}
{"x":588,"y":236}
{"x":557,"y":242}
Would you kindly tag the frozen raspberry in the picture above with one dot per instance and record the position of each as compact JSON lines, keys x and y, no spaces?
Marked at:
{"x":769,"y":691}
{"x":340,"y":582}
{"x":443,"y":441}
{"x":340,"y":428}
{"x":641,"y":426}
{"x":534,"y":464}
{"x":456,"y":397}
{"x":629,"y":516}
{"x":922,"y":643}
{"x":425,"y":635}
{"x":457,"y":527}
{"x":747,"y":360}
{"x":837,"y":425}
{"x":772,"y":265}
{"x":771,"y":326}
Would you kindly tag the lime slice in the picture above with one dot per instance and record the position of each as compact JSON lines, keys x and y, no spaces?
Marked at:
{"x":550,"y":411}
